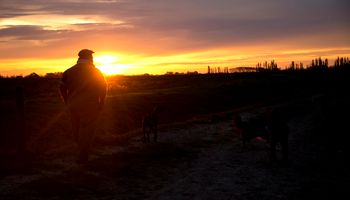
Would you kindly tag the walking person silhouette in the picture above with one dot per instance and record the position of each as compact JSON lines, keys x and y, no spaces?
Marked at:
{"x":83,"y":89}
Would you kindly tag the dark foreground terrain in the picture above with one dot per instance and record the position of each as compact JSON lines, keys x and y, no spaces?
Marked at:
{"x":199,"y":154}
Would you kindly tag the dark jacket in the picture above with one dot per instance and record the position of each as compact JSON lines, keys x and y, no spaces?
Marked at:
{"x":83,"y":85}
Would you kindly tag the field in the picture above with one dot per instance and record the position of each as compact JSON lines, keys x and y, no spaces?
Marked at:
{"x":199,"y":154}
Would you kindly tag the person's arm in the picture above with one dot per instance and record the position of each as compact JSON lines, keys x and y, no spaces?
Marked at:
{"x":103,"y":90}
{"x":64,"y":90}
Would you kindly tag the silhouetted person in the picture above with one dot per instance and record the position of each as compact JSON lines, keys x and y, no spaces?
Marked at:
{"x":83,"y":89}
{"x":150,"y":125}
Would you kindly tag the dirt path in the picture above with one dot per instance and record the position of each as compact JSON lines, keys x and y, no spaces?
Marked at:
{"x":196,"y":161}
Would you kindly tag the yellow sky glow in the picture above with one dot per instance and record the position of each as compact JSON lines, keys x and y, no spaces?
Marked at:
{"x":110,"y":62}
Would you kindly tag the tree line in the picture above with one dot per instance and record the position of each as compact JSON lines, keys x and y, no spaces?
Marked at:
{"x":316,"y":64}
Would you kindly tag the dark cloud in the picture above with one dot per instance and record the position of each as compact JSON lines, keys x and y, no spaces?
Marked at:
{"x":25,"y":32}
{"x":9,"y":8}
{"x":195,"y":24}
{"x":206,"y":23}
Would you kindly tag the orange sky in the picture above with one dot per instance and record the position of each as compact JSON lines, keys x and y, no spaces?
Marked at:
{"x":137,"y":37}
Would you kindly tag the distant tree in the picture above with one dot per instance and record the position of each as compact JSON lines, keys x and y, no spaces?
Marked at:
{"x":226,"y":70}
{"x":32,"y":75}
{"x":320,"y":62}
{"x":245,"y":69}
{"x":292,"y":66}
{"x":273,"y":66}
{"x":232,"y":70}
{"x":53,"y":75}
{"x":337,"y":62}
{"x":265,"y":64}
{"x":169,"y":73}
{"x":342,"y":61}
{"x":192,"y":73}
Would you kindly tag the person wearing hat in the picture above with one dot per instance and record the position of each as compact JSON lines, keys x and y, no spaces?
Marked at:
{"x":83,"y":89}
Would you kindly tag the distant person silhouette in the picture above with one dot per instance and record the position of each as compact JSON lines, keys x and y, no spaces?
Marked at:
{"x":83,"y":89}
{"x":150,"y":125}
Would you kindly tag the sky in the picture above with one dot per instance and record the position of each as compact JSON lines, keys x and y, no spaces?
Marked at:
{"x":158,"y":36}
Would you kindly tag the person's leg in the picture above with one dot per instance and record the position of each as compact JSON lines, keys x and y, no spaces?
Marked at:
{"x":87,"y":132}
{"x":87,"y":135}
{"x":75,"y":127}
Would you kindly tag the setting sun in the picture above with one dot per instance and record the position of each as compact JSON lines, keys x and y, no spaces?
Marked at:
{"x":108,"y":64}
{"x":106,"y":59}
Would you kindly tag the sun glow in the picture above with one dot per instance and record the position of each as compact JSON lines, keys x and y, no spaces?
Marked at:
{"x":106,"y":59}
{"x":108,"y":64}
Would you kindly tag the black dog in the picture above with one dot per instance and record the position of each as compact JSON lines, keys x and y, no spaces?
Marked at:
{"x":272,"y":127}
{"x":252,"y":128}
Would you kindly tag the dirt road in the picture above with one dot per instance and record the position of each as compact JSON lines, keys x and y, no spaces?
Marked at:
{"x":192,"y":161}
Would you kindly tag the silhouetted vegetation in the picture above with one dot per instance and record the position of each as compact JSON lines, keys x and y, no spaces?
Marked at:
{"x":317,"y":64}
